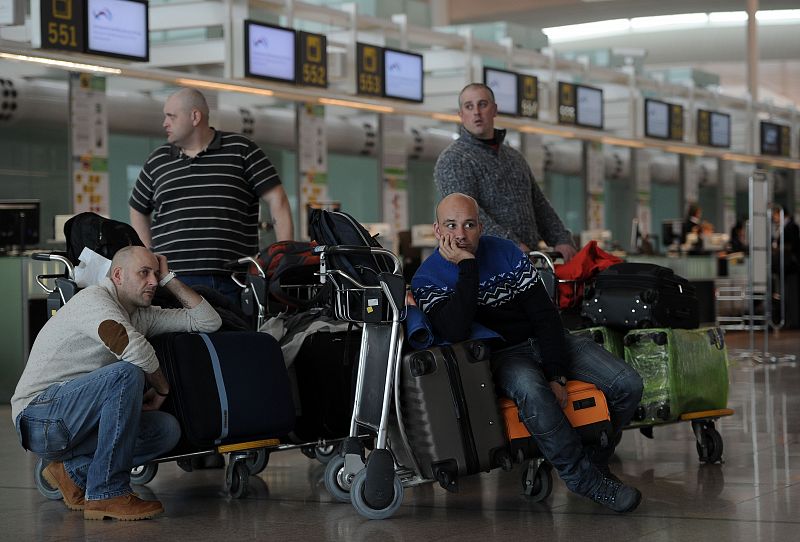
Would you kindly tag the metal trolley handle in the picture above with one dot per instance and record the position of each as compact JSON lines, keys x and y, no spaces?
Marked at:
{"x":53,"y":257}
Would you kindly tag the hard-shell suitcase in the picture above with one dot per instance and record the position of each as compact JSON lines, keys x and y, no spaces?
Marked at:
{"x":325,"y":368}
{"x":450,"y":413}
{"x":226,"y":387}
{"x":641,"y":295}
{"x":683,"y":370}
{"x":587,"y":411}
{"x":608,"y":338}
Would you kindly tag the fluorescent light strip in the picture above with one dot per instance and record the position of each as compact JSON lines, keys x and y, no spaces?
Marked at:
{"x":577,"y":31}
{"x":778,"y":15}
{"x":61,"y":63}
{"x":727,"y":17}
{"x":199,"y":83}
{"x":662,"y":21}
{"x":357,"y":105}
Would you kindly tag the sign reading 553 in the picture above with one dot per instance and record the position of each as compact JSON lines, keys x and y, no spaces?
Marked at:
{"x":313,"y":58}
{"x":62,"y":24}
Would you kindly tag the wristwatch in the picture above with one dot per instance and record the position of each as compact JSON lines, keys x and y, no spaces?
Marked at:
{"x":560,"y":379}
{"x":168,"y":277}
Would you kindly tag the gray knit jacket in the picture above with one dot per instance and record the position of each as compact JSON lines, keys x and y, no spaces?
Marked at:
{"x":511,"y":203}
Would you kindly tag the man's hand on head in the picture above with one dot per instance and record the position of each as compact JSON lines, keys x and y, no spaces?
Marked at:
{"x":450,"y":250}
{"x":163,"y":266}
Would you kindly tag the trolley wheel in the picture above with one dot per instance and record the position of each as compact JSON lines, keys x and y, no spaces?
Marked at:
{"x":308,"y":451}
{"x":52,"y":493}
{"x":363,"y":507}
{"x":540,"y":487}
{"x":325,"y":453}
{"x":257,"y":462}
{"x":711,"y":440}
{"x":144,"y":474}
{"x":336,"y":482}
{"x":240,"y":478}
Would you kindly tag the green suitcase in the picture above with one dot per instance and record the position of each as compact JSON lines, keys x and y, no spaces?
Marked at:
{"x":683,"y":370}
{"x":610,"y":339}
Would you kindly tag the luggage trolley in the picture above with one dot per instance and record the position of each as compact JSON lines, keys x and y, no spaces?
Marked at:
{"x":375,"y":484}
{"x":709,"y":442}
{"x":244,"y":459}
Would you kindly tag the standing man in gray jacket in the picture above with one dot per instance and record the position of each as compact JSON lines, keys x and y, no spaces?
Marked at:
{"x":478,"y":164}
{"x":80,"y":403}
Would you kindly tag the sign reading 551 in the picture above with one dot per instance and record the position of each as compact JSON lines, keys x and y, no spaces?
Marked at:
{"x":62,"y":24}
{"x":313,"y":58}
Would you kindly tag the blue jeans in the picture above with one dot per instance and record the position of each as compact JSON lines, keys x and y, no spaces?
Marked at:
{"x":518,"y":375}
{"x":95,"y":425}
{"x":222,"y":283}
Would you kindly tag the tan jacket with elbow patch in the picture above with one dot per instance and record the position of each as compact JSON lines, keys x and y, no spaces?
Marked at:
{"x":93,"y":330}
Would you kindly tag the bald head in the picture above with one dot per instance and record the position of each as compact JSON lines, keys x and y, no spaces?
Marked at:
{"x":456,"y":200}
{"x":127,"y":257}
{"x":189,"y":99}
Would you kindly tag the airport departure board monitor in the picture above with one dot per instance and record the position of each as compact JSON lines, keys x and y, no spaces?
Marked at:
{"x":580,"y":105}
{"x":663,"y":120}
{"x":713,"y":128}
{"x":269,"y":52}
{"x":402,"y":75}
{"x":776,"y":139}
{"x":117,"y":28}
{"x":369,"y":70}
{"x":505,"y":86}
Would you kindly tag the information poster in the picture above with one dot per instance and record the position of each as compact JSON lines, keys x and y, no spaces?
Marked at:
{"x":89,"y":143}
{"x":394,"y":167}
{"x":312,"y":160}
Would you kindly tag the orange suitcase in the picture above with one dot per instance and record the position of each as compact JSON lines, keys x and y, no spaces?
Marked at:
{"x":587,"y":411}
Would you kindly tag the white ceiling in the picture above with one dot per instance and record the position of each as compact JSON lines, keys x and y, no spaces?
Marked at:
{"x":721,"y":51}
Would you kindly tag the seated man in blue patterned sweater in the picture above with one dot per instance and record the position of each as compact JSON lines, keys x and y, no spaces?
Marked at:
{"x":474,"y":279}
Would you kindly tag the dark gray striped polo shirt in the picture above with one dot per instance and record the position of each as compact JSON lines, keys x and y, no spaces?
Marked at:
{"x":205,"y":209}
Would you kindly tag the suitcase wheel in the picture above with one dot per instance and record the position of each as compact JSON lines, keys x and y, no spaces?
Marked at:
{"x":597,"y":336}
{"x":630,"y":339}
{"x":663,"y":412}
{"x":661,"y":338}
{"x":639,"y":415}
{"x":422,"y":364}
{"x":479,"y":351}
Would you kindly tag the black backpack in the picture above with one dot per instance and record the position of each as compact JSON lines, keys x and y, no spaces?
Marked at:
{"x":339,"y":228}
{"x":103,"y":235}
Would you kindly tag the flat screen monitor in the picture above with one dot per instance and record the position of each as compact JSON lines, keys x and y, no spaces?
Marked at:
{"x":269,"y":52}
{"x":770,"y":138}
{"x":672,"y":231}
{"x":402,"y":75}
{"x":118,"y":28}
{"x":720,"y":129}
{"x":19,"y":223}
{"x":589,"y":107}
{"x":504,"y":85}
{"x":656,"y":119}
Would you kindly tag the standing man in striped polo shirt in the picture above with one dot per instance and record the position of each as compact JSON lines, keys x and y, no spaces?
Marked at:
{"x":197,"y":197}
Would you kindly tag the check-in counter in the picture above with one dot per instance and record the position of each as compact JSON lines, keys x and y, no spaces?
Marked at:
{"x":24,"y":312}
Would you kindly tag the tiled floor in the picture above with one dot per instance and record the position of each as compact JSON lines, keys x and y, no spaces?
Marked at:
{"x":753,"y":496}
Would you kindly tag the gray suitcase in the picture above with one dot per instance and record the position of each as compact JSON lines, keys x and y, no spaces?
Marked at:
{"x":450,"y":413}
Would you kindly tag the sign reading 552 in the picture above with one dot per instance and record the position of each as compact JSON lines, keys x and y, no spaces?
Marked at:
{"x":313,"y":60}
{"x":62,"y":24}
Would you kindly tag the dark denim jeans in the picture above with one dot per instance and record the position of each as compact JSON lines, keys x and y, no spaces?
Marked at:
{"x":95,"y":425}
{"x":518,"y":375}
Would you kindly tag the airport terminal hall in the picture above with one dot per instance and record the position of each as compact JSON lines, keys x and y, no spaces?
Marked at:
{"x":400,"y":270}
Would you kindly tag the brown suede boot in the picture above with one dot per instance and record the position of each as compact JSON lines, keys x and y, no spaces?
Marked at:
{"x":125,"y":507}
{"x":57,"y":477}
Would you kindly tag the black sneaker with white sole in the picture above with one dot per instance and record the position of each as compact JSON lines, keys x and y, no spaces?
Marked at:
{"x":615,"y":495}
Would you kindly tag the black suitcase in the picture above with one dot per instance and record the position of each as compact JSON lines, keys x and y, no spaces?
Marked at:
{"x":226,"y":387}
{"x":641,"y":295}
{"x":450,"y":413}
{"x":325,"y":368}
